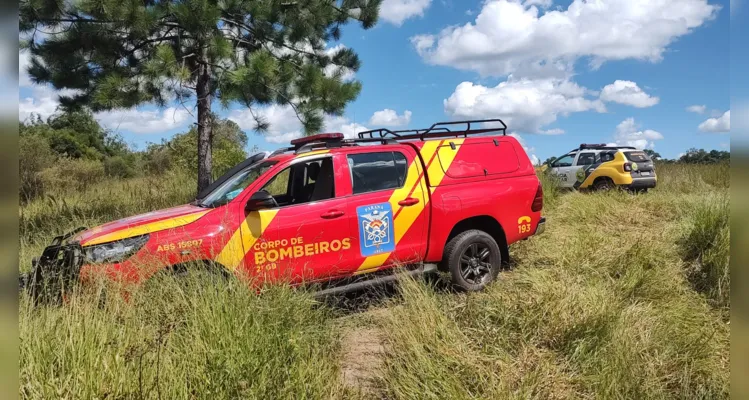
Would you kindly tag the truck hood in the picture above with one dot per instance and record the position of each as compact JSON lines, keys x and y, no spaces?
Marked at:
{"x":137,"y":225}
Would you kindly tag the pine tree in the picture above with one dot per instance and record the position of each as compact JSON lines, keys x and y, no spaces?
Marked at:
{"x":122,"y":53}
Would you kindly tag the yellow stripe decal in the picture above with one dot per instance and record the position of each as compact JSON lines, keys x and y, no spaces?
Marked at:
{"x":244,"y":238}
{"x":164,"y":224}
{"x":408,"y":215}
{"x":312,"y":153}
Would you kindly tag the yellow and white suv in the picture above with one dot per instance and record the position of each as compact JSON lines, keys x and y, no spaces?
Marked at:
{"x":603,"y":167}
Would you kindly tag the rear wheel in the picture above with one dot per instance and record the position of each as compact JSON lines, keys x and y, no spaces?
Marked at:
{"x":604,"y":185}
{"x":473,"y":259}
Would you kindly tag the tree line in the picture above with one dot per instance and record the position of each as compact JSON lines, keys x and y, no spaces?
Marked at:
{"x":71,"y":150}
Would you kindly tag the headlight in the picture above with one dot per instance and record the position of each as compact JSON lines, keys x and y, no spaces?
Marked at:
{"x":114,"y":252}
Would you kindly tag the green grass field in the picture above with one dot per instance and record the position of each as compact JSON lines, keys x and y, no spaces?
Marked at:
{"x":624,"y":296}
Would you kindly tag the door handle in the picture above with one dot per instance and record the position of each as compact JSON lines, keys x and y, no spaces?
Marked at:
{"x":331,"y":214}
{"x":408,"y":201}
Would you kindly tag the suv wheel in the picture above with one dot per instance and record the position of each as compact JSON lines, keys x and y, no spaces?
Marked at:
{"x":603,"y":185}
{"x":473,"y":259}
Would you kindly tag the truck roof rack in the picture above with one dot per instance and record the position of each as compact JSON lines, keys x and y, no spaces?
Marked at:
{"x":387,"y":136}
{"x":439,"y":129}
{"x":384,"y":132}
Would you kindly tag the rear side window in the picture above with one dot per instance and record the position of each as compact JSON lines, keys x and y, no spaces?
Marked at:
{"x":371,"y":172}
{"x":637,"y":156}
{"x":586,"y":159}
{"x":607,"y":156}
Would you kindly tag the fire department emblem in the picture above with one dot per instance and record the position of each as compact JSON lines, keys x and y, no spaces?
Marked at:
{"x":375,"y":229}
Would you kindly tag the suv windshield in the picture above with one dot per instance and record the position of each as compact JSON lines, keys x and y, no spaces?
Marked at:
{"x":637,"y":156}
{"x":235,"y":185}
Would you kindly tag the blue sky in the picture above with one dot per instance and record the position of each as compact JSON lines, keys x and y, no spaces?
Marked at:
{"x":653,"y":74}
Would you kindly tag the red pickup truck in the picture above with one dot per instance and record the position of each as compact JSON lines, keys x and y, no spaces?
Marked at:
{"x":327,"y":208}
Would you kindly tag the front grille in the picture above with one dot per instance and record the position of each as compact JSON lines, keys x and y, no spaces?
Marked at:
{"x":55,"y":272}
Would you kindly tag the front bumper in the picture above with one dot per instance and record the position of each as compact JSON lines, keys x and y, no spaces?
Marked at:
{"x":55,"y":271}
{"x":643,"y":183}
{"x":541,"y":227}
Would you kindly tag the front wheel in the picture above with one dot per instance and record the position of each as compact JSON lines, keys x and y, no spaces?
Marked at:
{"x":473,"y":259}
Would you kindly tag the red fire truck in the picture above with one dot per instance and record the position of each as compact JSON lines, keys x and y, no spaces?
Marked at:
{"x":453,"y":196}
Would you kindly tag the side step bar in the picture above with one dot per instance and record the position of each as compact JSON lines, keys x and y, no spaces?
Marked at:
{"x":423,"y":269}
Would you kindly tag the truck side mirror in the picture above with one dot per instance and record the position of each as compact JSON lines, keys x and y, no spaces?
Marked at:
{"x":260,"y":200}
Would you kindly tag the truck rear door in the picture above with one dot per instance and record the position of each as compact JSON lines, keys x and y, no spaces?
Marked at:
{"x":387,"y":209}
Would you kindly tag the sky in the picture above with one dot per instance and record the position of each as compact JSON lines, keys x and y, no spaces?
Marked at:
{"x":647,"y":73}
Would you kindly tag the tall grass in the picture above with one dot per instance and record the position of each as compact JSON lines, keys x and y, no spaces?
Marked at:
{"x":623,"y":296}
{"x":706,"y":248}
{"x":600,"y":306}
{"x":195,"y":337}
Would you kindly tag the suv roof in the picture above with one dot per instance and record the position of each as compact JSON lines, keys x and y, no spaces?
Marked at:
{"x":602,"y":146}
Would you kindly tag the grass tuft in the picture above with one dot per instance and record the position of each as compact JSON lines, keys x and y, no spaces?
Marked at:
{"x":706,"y":249}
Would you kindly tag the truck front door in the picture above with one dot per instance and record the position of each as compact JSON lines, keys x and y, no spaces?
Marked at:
{"x":313,"y":239}
{"x":387,"y":211}
{"x":563,"y":168}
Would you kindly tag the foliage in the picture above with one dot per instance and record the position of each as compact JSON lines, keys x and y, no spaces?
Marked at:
{"x":700,"y":156}
{"x":84,"y":149}
{"x":654,"y":155}
{"x":76,"y":135}
{"x":34,"y":156}
{"x":69,"y":174}
{"x":116,"y":54}
{"x":120,"y":166}
{"x":179,"y":152}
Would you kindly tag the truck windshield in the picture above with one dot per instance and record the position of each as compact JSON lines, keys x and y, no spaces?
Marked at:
{"x":235,"y":185}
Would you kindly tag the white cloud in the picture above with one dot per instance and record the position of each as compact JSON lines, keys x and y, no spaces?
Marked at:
{"x":397,"y":11}
{"x":628,"y":133}
{"x":697,"y":109}
{"x":510,"y":37}
{"x":388,"y":117}
{"x":526,"y":105}
{"x":142,"y":121}
{"x":628,"y":93}
{"x":43,"y":102}
{"x":717,"y":125}
{"x":285,"y":126}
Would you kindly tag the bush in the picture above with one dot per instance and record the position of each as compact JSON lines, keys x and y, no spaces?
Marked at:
{"x":34,"y":156}
{"x":72,"y":175}
{"x":157,"y":159}
{"x":118,"y":167}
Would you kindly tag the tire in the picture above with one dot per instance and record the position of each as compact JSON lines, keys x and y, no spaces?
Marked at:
{"x":471,"y":269}
{"x":603,"y":185}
